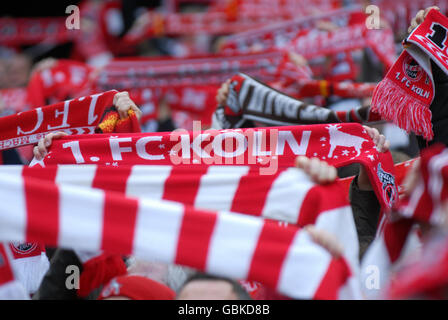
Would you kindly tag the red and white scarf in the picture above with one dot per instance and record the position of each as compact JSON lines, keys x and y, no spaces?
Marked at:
{"x":76,"y":116}
{"x":424,"y":276}
{"x":424,"y":205}
{"x":406,"y":93}
{"x":30,"y":263}
{"x":426,"y":202}
{"x":280,"y":256}
{"x":394,"y":242}
{"x":190,"y":84}
{"x":212,"y":187}
{"x":10,"y":287}
{"x":265,"y":149}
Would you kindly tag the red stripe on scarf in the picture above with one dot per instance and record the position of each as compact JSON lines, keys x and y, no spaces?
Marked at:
{"x":119,"y":224}
{"x":113,"y":182}
{"x":395,"y":235}
{"x":194,"y":238}
{"x":272,"y":246}
{"x":179,"y":187}
{"x":48,"y":174}
{"x":243,"y":201}
{"x":336,"y":272}
{"x":36,"y":202}
{"x":318,"y":201}
{"x":72,"y":116}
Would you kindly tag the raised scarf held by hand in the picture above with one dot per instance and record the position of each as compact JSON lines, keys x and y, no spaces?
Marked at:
{"x":78,"y":116}
{"x":266,"y":149}
{"x":404,"y":96}
{"x":223,"y":243}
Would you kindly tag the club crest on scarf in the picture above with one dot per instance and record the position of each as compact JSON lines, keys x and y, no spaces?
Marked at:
{"x":412,"y":69}
{"x":24,"y":248}
{"x":388,"y":185}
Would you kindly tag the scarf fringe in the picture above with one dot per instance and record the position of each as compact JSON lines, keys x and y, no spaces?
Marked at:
{"x":394,"y":104}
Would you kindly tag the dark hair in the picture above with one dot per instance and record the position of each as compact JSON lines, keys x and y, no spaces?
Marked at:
{"x":237,"y":288}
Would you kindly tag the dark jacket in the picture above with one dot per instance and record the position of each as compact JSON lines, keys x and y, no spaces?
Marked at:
{"x":366,"y":211}
{"x":53,"y":285}
{"x":439,"y":108}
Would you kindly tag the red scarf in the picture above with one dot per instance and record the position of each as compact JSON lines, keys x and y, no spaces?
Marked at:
{"x":407,"y":91}
{"x":77,"y":116}
{"x":423,"y":205}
